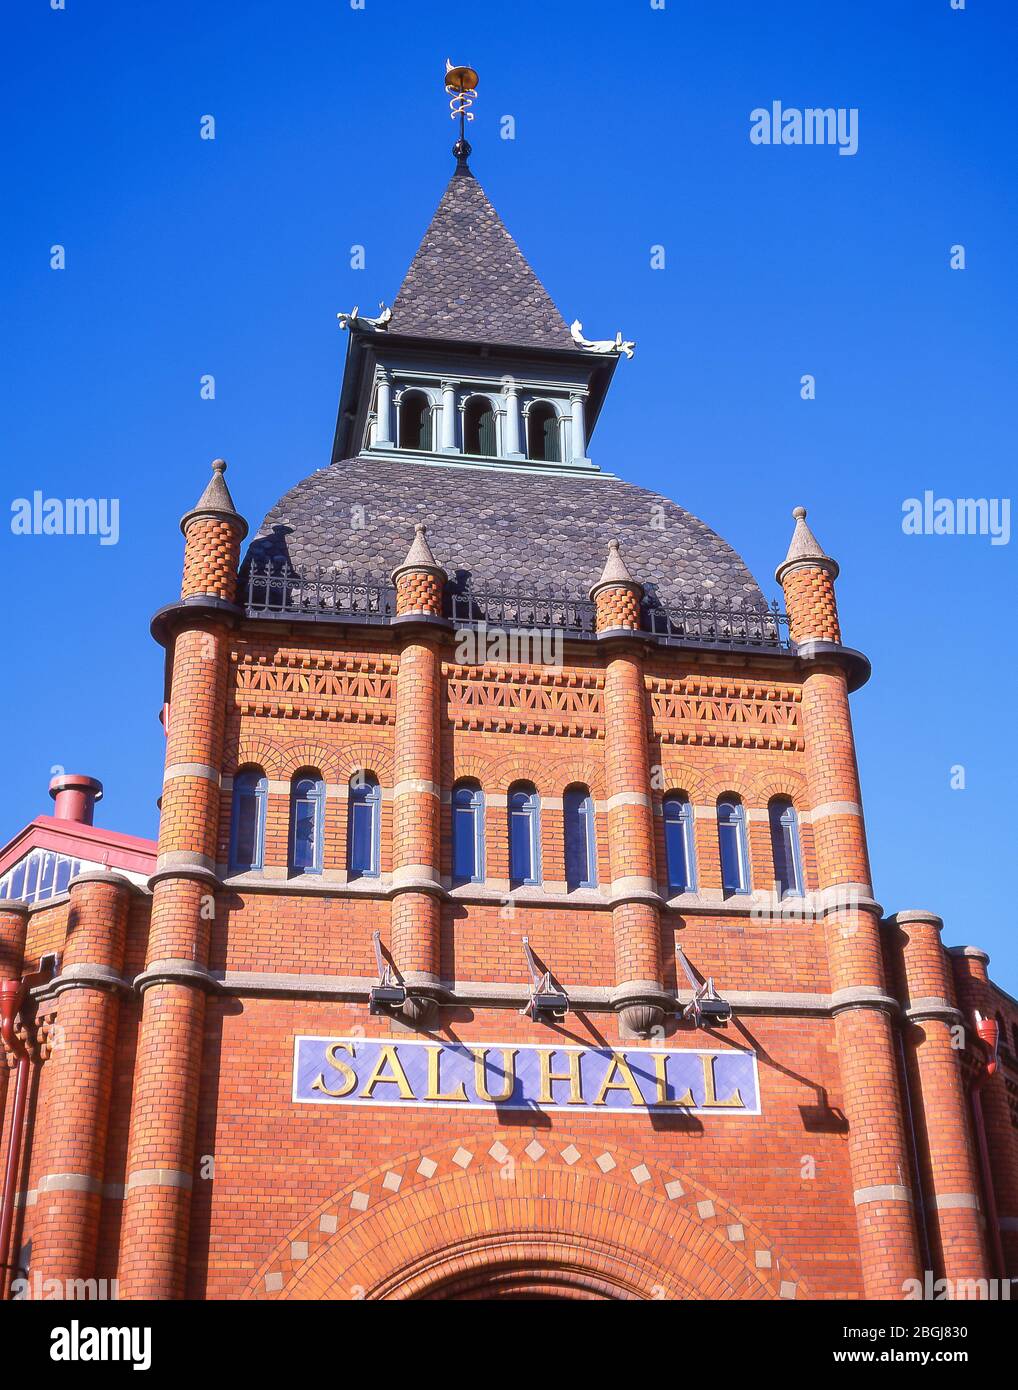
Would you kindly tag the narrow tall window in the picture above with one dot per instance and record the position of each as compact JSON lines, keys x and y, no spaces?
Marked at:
{"x":732,"y":838}
{"x":415,"y":421}
{"x":247,"y":821}
{"x":524,"y":836}
{"x":678,"y":817}
{"x":363,"y":831}
{"x":307,"y":817}
{"x":467,"y":833}
{"x":543,"y":433}
{"x":479,"y":427}
{"x":581,"y":851}
{"x":785,"y":847}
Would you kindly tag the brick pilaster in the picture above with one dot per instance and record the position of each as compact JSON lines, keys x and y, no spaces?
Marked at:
{"x":416,"y":879}
{"x":951,"y":1197}
{"x":636,"y":917}
{"x":77,"y":1080}
{"x":161,"y":1149}
{"x":972,"y":982}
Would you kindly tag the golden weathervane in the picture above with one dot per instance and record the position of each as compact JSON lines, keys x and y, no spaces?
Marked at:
{"x":461,"y":83}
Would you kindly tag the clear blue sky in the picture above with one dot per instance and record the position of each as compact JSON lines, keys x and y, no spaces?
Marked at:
{"x":232,"y":257}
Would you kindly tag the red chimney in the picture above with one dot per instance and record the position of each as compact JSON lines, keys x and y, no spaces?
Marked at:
{"x":75,"y":797}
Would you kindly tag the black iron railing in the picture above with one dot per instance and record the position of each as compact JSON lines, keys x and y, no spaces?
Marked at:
{"x":272,"y":589}
{"x":573,"y":616}
{"x":720,"y":623}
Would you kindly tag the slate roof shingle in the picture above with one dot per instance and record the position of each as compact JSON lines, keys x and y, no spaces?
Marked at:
{"x":512,"y":531}
{"x":470,"y":281}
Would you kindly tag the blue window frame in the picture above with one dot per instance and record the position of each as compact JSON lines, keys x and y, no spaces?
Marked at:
{"x":580,"y":846}
{"x":524,"y":836}
{"x":364,"y":827}
{"x":247,"y":821}
{"x":785,"y":848}
{"x":732,"y":839}
{"x":467,"y":834}
{"x":307,"y":818}
{"x":679,"y":856}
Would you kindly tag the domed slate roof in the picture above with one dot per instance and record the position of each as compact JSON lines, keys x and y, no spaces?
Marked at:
{"x":510,"y":531}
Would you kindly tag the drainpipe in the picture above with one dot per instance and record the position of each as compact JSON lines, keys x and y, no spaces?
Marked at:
{"x":12,"y":994}
{"x":988,"y":1031}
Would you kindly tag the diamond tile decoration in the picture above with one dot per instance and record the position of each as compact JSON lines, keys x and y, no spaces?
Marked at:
{"x":498,"y":1151}
{"x":534,"y":1150}
{"x":571,"y":1155}
{"x":763,"y":1259}
{"x":391,"y":1181}
{"x":787,"y":1289}
{"x":736,"y":1232}
{"x":462,"y":1158}
{"x":273,"y":1282}
{"x":674,"y":1189}
{"x":705,"y":1208}
{"x":359,"y":1201}
{"x":328,"y":1224}
{"x":298,"y":1250}
{"x":427,"y":1167}
{"x":640,"y":1174}
{"x":606,"y":1163}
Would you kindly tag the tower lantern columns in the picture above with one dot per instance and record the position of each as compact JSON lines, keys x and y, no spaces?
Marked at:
{"x":449,"y":445}
{"x":577,"y":405}
{"x":636,"y":919}
{"x":511,"y":409}
{"x":383,"y":413}
{"x":879,"y":1152}
{"x":167,"y":1084}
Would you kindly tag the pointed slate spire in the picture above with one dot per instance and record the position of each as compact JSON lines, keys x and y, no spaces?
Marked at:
{"x":470,"y":281}
{"x":805,"y":548}
{"x":419,"y":556}
{"x":215,"y":501}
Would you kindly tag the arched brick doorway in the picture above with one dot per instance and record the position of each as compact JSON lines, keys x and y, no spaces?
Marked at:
{"x":522,"y":1216}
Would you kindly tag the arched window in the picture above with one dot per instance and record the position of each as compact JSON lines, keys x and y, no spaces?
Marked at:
{"x":364,"y":827}
{"x":307,"y":819}
{"x":524,"y":835}
{"x":543,"y":433}
{"x":732,"y":838}
{"x":678,"y":817}
{"x":415,"y":421}
{"x":785,"y":847}
{"x":467,"y":833}
{"x":479,"y":427}
{"x":580,"y":847}
{"x":247,"y":820}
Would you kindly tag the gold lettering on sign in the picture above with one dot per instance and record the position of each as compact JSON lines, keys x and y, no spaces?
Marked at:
{"x":388,"y":1057}
{"x":481,"y":1074}
{"x":434,"y":1081}
{"x":348,"y":1074}
{"x":619,"y":1066}
{"x":661,"y":1077}
{"x":710,"y":1095}
{"x":548,"y":1076}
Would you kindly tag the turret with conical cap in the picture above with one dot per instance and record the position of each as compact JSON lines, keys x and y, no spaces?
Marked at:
{"x":807,"y":575}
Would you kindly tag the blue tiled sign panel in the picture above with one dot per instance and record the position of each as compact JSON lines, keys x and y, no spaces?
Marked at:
{"x":515,"y":1076}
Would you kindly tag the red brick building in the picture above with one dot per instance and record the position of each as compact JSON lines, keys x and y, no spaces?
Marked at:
{"x":500,"y":939}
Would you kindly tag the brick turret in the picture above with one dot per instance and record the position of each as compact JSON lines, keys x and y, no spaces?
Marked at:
{"x":419,"y":580}
{"x":807,"y":576}
{"x":160,"y":1167}
{"x":616,"y":595}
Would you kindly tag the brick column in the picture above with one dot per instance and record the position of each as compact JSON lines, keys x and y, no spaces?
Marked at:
{"x":78,"y":1080}
{"x":161,"y":1156}
{"x":878,"y":1143}
{"x":952,"y":1203}
{"x":416,"y":880}
{"x":975,"y":994}
{"x":636,"y":917}
{"x":13,"y":929}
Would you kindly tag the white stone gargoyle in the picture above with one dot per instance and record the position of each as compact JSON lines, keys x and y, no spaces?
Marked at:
{"x":606,"y":346}
{"x":363,"y":321}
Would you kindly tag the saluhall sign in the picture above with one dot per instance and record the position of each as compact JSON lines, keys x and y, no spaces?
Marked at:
{"x":514,"y":1076}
